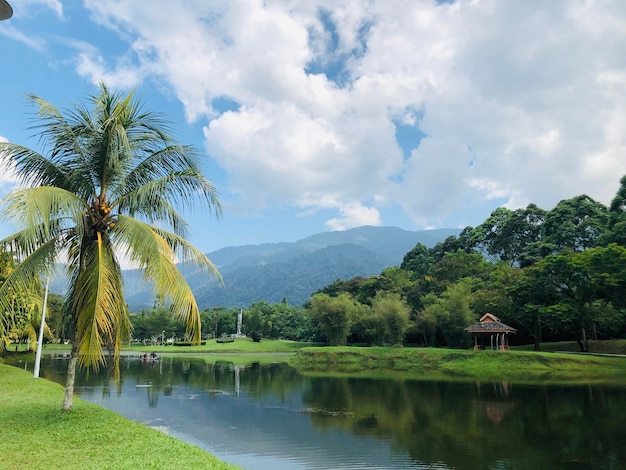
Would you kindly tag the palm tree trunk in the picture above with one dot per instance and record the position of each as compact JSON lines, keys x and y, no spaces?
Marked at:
{"x":69,"y":382}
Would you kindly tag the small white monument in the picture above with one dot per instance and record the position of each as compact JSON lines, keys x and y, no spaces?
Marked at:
{"x":239,"y":319}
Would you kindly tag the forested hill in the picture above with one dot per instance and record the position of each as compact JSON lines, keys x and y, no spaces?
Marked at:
{"x":295,"y":270}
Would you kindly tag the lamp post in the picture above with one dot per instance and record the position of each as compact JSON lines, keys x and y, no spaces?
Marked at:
{"x":6,"y":11}
{"x":41,"y":327}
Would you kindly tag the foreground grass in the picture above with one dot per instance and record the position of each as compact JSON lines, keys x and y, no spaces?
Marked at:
{"x":36,"y":434}
{"x":430,"y":363}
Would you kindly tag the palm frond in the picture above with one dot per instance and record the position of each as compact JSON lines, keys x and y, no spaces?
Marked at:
{"x":152,"y":201}
{"x":98,"y":300}
{"x":30,"y":167}
{"x":155,"y":253}
{"x":42,"y":213}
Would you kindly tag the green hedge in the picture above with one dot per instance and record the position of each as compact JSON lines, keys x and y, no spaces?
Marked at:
{"x":225,"y":340}
{"x":188,"y":343}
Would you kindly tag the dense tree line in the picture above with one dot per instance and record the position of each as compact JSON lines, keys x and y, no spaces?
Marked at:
{"x":552,"y":275}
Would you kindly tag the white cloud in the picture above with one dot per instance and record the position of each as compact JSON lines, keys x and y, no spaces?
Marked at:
{"x":29,"y":41}
{"x":354,"y":215}
{"x":521,"y":101}
{"x":29,"y":8}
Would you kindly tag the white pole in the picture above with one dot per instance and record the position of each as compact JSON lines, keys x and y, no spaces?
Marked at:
{"x":41,"y":327}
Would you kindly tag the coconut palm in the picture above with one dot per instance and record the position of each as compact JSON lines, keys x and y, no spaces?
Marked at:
{"x":107,"y":192}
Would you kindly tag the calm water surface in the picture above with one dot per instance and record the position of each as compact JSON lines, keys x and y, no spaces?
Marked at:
{"x":271,"y":417}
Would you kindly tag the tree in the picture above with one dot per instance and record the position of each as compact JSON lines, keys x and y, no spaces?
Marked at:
{"x":617,"y":216}
{"x":506,"y":235}
{"x":418,"y":261}
{"x":335,"y":315}
{"x":394,"y":315}
{"x":156,"y":323}
{"x":577,"y":224}
{"x":446,"y":317}
{"x":20,"y":315}
{"x":108,"y":189}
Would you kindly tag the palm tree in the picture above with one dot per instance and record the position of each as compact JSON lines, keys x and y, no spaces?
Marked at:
{"x":23,"y":316}
{"x":106,"y":192}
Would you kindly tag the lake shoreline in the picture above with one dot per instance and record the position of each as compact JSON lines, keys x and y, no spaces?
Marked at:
{"x":449,"y":364}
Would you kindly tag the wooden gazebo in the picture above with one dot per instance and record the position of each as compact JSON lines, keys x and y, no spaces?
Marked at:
{"x":491,"y":333}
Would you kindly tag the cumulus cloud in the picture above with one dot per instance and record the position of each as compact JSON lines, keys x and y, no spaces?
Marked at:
{"x":518,"y":101}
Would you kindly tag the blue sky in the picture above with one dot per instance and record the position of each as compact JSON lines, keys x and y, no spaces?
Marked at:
{"x":325,"y":115}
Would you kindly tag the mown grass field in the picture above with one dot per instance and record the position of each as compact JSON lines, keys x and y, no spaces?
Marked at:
{"x":613,"y":346}
{"x":36,"y":434}
{"x":239,"y":345}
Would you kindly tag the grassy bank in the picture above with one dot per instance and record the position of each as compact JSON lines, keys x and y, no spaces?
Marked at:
{"x":36,"y":434}
{"x":613,"y":346}
{"x":426,"y":363}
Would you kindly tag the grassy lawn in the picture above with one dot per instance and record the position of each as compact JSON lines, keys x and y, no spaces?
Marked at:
{"x":238,"y":346}
{"x":432,"y":363}
{"x":35,"y":433}
{"x":613,"y":346}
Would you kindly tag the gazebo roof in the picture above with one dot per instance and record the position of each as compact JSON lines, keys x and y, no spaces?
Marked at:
{"x":489,"y":323}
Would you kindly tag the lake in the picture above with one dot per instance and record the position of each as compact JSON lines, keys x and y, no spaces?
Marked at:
{"x":271,"y":417}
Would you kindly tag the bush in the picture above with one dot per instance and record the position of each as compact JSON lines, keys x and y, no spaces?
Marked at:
{"x":188,"y":343}
{"x":225,"y":340}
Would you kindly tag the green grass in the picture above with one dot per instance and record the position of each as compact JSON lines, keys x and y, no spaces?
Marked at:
{"x":239,"y":358}
{"x":240,"y":345}
{"x":613,"y":346}
{"x":35,"y":433}
{"x":431,"y":363}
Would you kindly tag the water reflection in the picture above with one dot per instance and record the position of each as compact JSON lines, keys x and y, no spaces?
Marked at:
{"x":272,"y":417}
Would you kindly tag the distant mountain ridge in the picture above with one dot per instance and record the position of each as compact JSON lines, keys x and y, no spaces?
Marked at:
{"x":293,"y":271}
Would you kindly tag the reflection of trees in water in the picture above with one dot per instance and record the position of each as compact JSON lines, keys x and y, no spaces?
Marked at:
{"x":170,"y":372}
{"x":470,"y":425}
{"x":464,"y":425}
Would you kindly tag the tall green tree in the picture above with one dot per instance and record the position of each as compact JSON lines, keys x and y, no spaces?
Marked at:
{"x":576,"y":224}
{"x":335,"y":315}
{"x":394,"y":315}
{"x":617,"y":216}
{"x":508,"y":235}
{"x":109,"y":188}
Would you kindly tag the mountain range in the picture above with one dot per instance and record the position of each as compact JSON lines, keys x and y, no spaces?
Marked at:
{"x":291,"y":271}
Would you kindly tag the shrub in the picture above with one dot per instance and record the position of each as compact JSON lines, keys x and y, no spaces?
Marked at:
{"x":188,"y":343}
